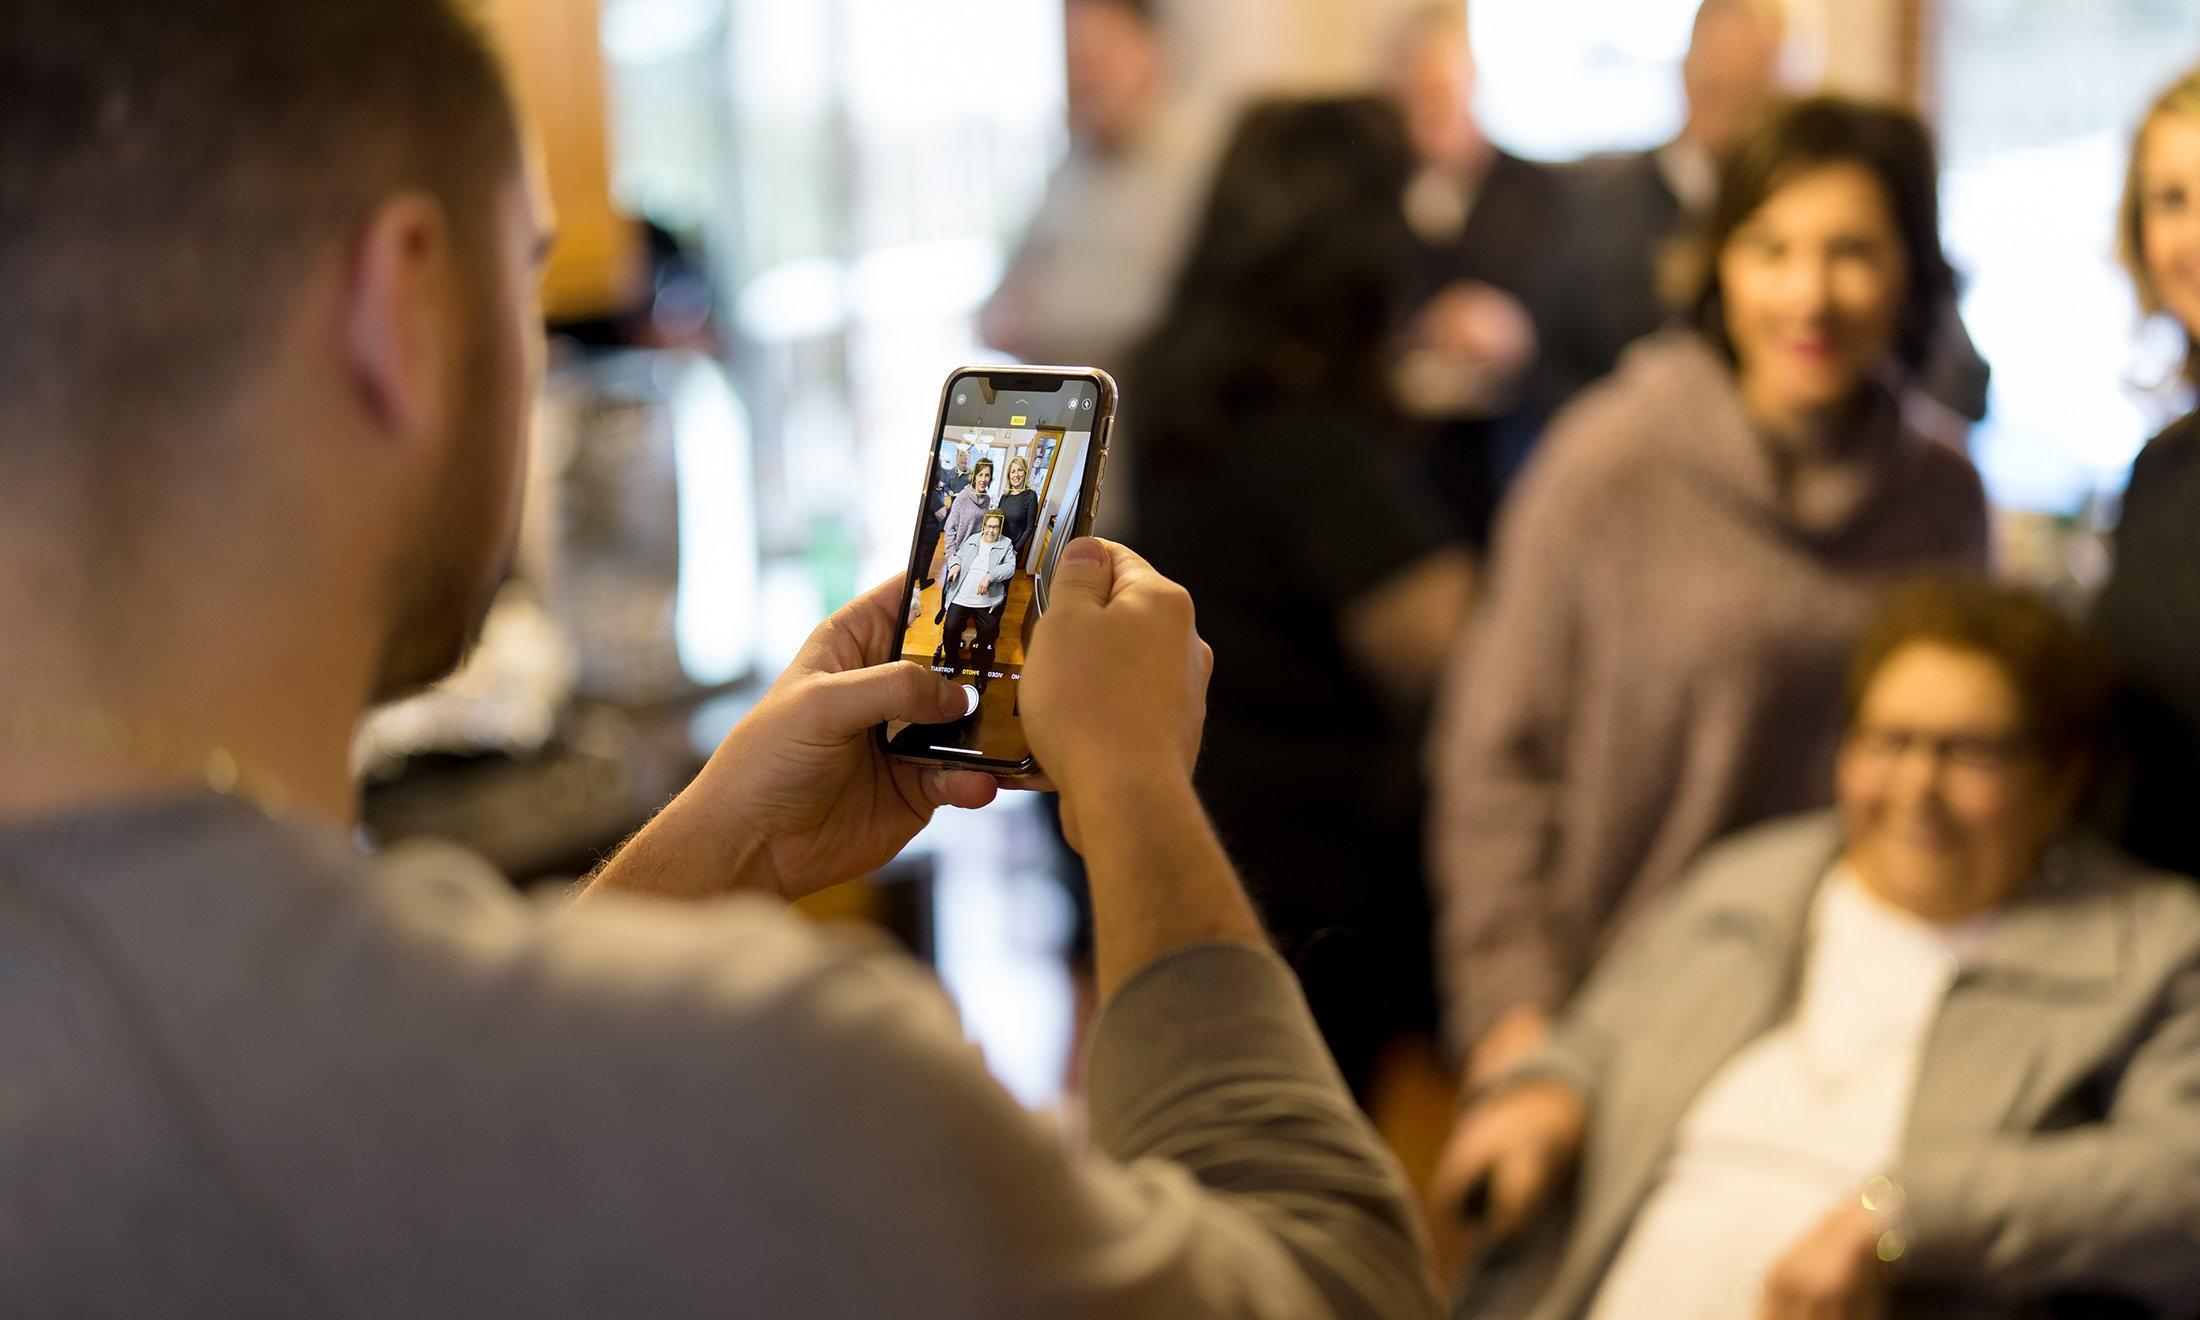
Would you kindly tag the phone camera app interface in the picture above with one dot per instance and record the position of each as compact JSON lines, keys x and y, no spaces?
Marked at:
{"x":1004,"y":488}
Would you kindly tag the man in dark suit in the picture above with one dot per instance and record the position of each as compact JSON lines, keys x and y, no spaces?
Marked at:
{"x":1623,"y":212}
{"x":1622,"y":215}
{"x":1483,"y":220}
{"x":944,"y":491}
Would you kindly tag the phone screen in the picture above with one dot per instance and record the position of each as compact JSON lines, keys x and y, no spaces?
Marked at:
{"x":1007,"y":487}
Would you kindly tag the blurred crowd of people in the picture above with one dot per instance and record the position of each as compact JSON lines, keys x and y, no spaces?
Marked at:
{"x":1549,"y":525}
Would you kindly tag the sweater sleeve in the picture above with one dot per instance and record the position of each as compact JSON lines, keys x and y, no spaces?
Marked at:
{"x":1231,"y":1173}
{"x":1208,"y":1062}
{"x":1605,"y":1016}
{"x":1498,"y":764}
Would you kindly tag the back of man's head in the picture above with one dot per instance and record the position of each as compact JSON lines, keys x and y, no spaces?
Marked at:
{"x":171,"y":169}
{"x":1431,"y":75}
{"x":1732,"y":71}
{"x":1114,"y":68}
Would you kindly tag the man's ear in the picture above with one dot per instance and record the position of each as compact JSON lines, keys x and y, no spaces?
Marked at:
{"x":395,"y":334}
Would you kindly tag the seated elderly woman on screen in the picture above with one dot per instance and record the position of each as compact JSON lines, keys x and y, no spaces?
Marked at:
{"x":978,"y":577}
{"x":977,"y":591}
{"x":1936,"y":1053}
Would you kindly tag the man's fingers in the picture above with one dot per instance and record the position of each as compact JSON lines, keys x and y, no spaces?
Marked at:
{"x":1133,"y":573}
{"x":966,"y":789}
{"x":879,"y":608}
{"x":865,"y":631}
{"x":1515,"y":1192}
{"x":903,"y":691}
{"x":1463,"y":1163}
{"x":1086,"y":575}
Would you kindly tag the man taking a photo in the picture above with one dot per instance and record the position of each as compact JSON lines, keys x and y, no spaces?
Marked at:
{"x":271,"y":344}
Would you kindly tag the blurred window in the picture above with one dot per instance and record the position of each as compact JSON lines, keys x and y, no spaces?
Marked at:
{"x":885,"y":156}
{"x":2038,"y":99}
{"x":856,"y":170}
{"x":1560,"y":79}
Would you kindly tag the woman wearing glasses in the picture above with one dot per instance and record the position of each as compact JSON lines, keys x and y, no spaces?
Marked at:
{"x":1685,"y":565}
{"x":1936,"y":1053}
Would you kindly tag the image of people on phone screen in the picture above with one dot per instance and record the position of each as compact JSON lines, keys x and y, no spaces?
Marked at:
{"x":1001,"y":499}
{"x":977,"y":594}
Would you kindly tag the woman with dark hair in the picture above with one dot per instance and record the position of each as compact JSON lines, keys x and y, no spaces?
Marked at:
{"x":1689,"y":559}
{"x":967,"y":510}
{"x":1929,"y":1055}
{"x":970,"y":505}
{"x":1278,"y":482}
{"x":2149,"y":609}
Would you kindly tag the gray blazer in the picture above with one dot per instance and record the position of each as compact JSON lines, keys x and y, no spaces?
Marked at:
{"x":2053,"y":1143}
{"x":995,"y":562}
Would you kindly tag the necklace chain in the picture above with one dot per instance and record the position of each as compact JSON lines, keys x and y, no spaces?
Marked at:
{"x":146,"y":744}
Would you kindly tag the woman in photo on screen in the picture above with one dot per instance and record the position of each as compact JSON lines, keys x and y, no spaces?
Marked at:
{"x":1020,"y":504}
{"x":971,"y":504}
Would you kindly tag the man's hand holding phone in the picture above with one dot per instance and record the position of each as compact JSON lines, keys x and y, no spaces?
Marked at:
{"x":1115,"y":690}
{"x":1115,"y":698}
{"x":800,"y":796}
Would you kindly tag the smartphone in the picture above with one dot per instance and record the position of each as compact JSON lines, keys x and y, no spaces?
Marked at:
{"x":1014,"y":474}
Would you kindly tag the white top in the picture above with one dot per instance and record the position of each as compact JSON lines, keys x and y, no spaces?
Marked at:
{"x":1797,"y":1120}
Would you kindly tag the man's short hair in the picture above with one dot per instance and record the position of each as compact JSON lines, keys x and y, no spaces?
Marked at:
{"x":169,"y":169}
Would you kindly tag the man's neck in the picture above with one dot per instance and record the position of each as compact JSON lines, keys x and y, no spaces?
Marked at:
{"x":205,"y":677}
{"x":1470,"y":159}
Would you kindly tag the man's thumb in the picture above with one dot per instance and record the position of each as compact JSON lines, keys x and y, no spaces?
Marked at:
{"x":903,"y":691}
{"x":1086,"y":575}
